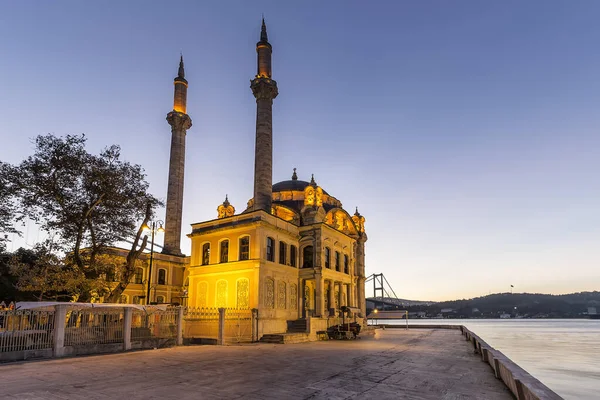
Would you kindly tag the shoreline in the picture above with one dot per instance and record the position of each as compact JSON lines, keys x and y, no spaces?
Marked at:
{"x":521,"y":383}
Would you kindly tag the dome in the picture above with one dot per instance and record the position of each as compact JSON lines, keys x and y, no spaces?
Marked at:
{"x":292,"y":184}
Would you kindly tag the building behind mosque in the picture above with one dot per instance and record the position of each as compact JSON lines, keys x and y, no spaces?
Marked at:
{"x":293,"y":253}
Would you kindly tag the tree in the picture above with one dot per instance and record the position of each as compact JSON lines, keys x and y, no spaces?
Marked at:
{"x":8,"y":202}
{"x":44,"y":275}
{"x":88,"y":202}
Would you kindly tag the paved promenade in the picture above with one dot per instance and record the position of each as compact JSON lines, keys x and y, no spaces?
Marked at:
{"x":393,"y":364}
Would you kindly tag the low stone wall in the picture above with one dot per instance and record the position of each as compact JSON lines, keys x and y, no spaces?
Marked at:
{"x":522,"y":384}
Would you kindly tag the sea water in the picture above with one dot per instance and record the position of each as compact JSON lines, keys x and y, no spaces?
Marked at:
{"x":564,"y":354}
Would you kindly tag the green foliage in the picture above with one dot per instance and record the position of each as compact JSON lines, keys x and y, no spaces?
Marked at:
{"x":8,"y":202}
{"x":86,"y":203}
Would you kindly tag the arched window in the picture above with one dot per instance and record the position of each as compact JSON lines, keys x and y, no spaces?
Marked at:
{"x":327,"y":257}
{"x":337,"y":261}
{"x":205,"y":253}
{"x":282,"y":252}
{"x":139,"y":276}
{"x":244,"y":248}
{"x":162,"y":276}
{"x":160,"y":299}
{"x":346,"y":263}
{"x":307,"y":257}
{"x":225,"y":251}
{"x":270,"y":249}
{"x":293,"y":256}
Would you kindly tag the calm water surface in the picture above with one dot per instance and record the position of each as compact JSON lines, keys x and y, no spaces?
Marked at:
{"x":563,"y":354}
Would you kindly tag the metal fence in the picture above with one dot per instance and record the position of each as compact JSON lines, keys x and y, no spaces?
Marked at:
{"x":237,"y":326}
{"x":93,"y":326}
{"x":154,"y":325}
{"x":201,"y":322}
{"x":26,"y":330}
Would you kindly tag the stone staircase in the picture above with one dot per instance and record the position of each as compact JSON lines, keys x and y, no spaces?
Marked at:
{"x":296,"y":333}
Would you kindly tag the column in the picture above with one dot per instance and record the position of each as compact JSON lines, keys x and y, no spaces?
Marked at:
{"x":320,"y":295}
{"x":331,"y":299}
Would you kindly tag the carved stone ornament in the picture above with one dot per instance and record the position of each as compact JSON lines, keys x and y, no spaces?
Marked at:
{"x":319,"y":196}
{"x":264,"y":88}
{"x":179,"y":120}
{"x":270,"y":293}
{"x":202,"y":294}
{"x":221,"y":294}
{"x":309,"y":196}
{"x":226,"y":209}
{"x":243,"y":295}
{"x":293,"y":296}
{"x":281,"y":295}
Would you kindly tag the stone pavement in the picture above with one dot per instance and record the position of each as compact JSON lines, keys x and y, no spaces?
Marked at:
{"x":393,"y":364}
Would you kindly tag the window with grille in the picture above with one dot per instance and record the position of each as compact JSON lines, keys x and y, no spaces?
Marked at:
{"x":162,"y":276}
{"x":244,"y":248}
{"x":270,"y":249}
{"x":206,"y":254}
{"x":225,"y":251}
{"x":293,"y":255}
{"x":282,"y":253}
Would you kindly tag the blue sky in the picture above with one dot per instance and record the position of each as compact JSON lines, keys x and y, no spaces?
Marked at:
{"x":466,"y":132}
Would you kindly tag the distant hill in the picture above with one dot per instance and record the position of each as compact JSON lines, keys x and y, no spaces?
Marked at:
{"x":527,"y":305}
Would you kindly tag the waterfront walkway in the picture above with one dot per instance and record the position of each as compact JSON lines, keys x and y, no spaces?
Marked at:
{"x":393,"y":364}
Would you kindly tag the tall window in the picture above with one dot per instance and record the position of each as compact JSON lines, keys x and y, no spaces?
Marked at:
{"x":307,"y":257}
{"x":346,"y":263}
{"x":205,"y":253}
{"x":327,"y":257}
{"x":162,"y":276}
{"x":225,"y":251}
{"x":282,"y":252}
{"x":293,"y":256}
{"x":337,"y":260}
{"x":139,"y":275}
{"x":245,"y":248}
{"x":270,"y":249}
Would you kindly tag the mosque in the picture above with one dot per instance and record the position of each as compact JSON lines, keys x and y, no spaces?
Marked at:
{"x":293,"y":253}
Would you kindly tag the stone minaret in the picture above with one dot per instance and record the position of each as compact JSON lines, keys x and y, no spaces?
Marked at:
{"x":265,"y":90}
{"x":180,"y":122}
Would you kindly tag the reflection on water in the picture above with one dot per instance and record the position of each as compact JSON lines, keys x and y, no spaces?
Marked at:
{"x":563,"y":354}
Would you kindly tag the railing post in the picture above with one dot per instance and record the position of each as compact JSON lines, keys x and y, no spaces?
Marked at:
{"x":60,"y":320}
{"x":221,"y":337}
{"x":127,"y":313}
{"x":180,"y":326}
{"x":255,"y":325}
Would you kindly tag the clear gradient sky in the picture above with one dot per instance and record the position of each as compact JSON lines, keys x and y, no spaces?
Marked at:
{"x":467,"y":132}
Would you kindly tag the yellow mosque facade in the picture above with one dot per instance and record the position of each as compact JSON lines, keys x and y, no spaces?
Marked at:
{"x":294,"y":252}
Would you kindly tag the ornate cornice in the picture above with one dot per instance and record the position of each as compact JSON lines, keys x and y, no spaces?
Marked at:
{"x":179,"y":120}
{"x":264,"y":88}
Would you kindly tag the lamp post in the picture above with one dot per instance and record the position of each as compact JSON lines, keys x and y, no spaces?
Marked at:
{"x":152,"y":227}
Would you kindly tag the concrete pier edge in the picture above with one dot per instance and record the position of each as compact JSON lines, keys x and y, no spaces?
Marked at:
{"x":521,"y":383}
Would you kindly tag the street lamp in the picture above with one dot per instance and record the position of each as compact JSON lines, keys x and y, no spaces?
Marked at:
{"x":154,"y":230}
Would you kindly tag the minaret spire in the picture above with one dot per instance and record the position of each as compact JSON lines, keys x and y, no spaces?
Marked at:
{"x":180,"y":122}
{"x":265,"y":90}
{"x":181,"y":72}
{"x":263,"y":32}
